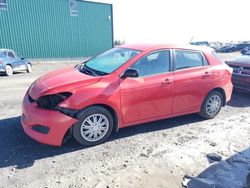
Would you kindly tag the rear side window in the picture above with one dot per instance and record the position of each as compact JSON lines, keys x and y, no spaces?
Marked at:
{"x":188,"y":59}
{"x":2,"y":54}
{"x":10,"y":54}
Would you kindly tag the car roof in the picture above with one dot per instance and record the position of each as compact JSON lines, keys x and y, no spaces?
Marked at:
{"x":6,"y":50}
{"x":153,"y":47}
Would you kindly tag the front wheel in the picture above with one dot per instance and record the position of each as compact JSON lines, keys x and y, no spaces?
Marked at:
{"x":211,"y":105}
{"x":8,"y":70}
{"x":94,"y":126}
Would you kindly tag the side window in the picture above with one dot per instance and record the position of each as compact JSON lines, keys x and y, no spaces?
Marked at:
{"x":3,"y":5}
{"x":73,"y":7}
{"x":10,"y":54}
{"x":155,"y":63}
{"x":188,"y":59}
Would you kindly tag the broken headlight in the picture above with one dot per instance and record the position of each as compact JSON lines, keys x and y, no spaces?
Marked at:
{"x":51,"y":101}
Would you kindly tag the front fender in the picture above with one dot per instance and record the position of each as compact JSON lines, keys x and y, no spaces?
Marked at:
{"x":101,"y":93}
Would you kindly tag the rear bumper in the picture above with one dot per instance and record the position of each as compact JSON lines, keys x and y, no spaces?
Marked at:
{"x":56,"y":122}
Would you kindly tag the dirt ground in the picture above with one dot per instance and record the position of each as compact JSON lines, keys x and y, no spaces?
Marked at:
{"x":157,"y":154}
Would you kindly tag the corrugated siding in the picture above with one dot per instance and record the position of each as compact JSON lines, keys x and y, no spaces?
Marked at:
{"x":45,"y":29}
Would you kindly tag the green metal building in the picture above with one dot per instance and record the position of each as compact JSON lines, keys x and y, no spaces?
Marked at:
{"x":56,"y":28}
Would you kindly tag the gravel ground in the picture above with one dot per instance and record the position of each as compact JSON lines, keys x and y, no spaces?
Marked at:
{"x":157,"y":154}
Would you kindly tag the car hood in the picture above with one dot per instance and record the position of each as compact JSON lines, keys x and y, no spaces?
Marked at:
{"x":61,"y":80}
{"x":243,"y":61}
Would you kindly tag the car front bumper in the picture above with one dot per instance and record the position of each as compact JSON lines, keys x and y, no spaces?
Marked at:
{"x":55,"y":123}
{"x":241,"y":82}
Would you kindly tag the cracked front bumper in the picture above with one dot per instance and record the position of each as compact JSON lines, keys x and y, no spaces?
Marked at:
{"x":57,"y":123}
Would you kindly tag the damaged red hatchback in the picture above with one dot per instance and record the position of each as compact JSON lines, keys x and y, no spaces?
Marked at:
{"x":125,"y":86}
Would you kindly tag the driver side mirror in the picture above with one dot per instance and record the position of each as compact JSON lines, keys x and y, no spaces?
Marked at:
{"x":132,"y":73}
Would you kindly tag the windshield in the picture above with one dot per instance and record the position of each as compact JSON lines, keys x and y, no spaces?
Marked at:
{"x":2,"y":53}
{"x":18,"y":55}
{"x":110,"y":60}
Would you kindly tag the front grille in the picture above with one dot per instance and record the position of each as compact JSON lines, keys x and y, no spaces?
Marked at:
{"x":240,"y":70}
{"x":31,"y":99}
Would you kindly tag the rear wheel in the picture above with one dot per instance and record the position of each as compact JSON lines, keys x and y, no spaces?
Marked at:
{"x":8,"y":70}
{"x":94,"y":126}
{"x":29,"y":68}
{"x":211,"y":105}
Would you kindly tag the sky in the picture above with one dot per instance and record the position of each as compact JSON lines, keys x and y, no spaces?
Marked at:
{"x":180,"y":21}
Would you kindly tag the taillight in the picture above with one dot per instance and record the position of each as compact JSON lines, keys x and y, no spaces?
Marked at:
{"x":1,"y":62}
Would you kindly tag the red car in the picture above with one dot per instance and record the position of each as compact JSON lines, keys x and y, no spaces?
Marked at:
{"x":125,"y":86}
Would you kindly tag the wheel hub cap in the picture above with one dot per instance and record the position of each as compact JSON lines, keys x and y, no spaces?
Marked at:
{"x":94,"y":127}
{"x":213,"y":105}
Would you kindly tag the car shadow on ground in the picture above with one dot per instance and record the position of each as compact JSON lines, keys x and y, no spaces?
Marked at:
{"x":239,"y":99}
{"x":233,"y":172}
{"x":14,"y":73}
{"x":18,"y":150}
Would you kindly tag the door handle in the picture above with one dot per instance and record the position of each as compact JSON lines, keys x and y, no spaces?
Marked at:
{"x":168,"y":81}
{"x":206,"y":74}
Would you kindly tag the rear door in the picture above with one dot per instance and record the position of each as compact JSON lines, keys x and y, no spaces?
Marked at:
{"x":193,"y":80}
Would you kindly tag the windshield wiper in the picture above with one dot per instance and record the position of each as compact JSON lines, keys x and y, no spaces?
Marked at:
{"x":101,"y":73}
{"x":93,"y":71}
{"x":87,"y":70}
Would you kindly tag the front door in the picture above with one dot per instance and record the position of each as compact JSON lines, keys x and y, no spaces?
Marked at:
{"x":149,"y":95}
{"x":22,"y":65}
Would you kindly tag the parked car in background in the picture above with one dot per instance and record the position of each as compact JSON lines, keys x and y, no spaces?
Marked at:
{"x":122,"y":87}
{"x":200,"y":43}
{"x":245,"y":51}
{"x":225,"y":49}
{"x":233,"y":47}
{"x":241,"y":72}
{"x":11,"y":61}
{"x":215,"y":45}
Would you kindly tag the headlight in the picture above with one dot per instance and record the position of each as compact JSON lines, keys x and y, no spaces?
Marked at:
{"x":51,"y":101}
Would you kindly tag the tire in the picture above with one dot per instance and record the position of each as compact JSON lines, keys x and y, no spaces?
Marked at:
{"x":85,"y":127}
{"x":211,"y":106}
{"x":8,"y":70}
{"x":29,"y":68}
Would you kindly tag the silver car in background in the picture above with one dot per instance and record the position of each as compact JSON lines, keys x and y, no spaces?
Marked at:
{"x":11,"y":62}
